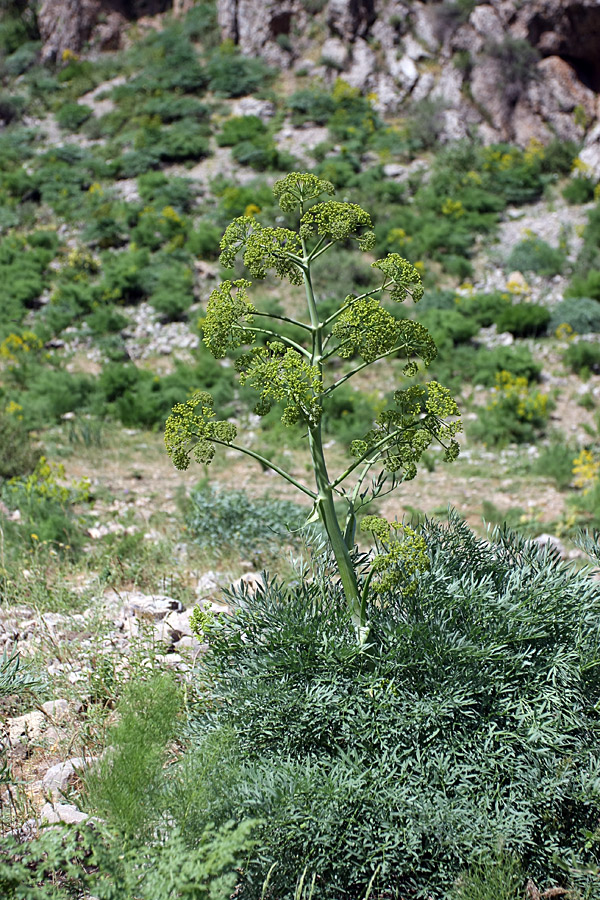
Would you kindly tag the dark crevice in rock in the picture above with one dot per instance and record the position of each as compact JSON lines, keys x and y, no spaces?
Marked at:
{"x":280,"y":24}
{"x":575,"y":36}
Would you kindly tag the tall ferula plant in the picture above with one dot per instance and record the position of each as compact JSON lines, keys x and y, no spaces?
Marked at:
{"x":296,"y":373}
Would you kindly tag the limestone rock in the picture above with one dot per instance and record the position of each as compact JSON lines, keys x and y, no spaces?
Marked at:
{"x":58,"y":778}
{"x":149,"y":606}
{"x":591,"y":151}
{"x":71,"y":24}
{"x":54,"y":813}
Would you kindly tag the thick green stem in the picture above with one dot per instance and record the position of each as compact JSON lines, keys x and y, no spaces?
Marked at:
{"x":328,"y":516}
{"x":325,"y":503}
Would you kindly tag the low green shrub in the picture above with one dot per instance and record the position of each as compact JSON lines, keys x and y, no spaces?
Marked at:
{"x":232,"y":75}
{"x":486,"y":309}
{"x":157,"y":189}
{"x":516,"y":413}
{"x":579,"y":190}
{"x":143,"y":847}
{"x":124,"y":787}
{"x":46,"y":506}
{"x":261,"y":153}
{"x":535,"y":255}
{"x":555,"y":461}
{"x":170,"y":108}
{"x":581,"y":314}
{"x":18,"y":453}
{"x":448,"y":326}
{"x":480,"y":366}
{"x":172,"y":291}
{"x":204,"y":241}
{"x":225,"y":521}
{"x":71,"y":116}
{"x":585,"y":285}
{"x":416,"y":759}
{"x":311,"y":105}
{"x":524,"y":319}
{"x":582,"y":357}
{"x":240,"y":128}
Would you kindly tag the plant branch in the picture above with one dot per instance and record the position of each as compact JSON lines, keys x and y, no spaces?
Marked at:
{"x":376,"y":448}
{"x":270,"y":465}
{"x":346,"y":306}
{"x":283,"y":319}
{"x":279,"y":337}
{"x":363,"y":365}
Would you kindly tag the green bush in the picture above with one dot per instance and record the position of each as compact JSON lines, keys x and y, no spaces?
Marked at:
{"x":585,"y":285}
{"x":158,"y":190}
{"x":467,"y":724}
{"x":18,"y":454}
{"x":71,"y":116}
{"x":516,"y":413}
{"x":579,"y":190}
{"x":589,"y":255}
{"x":261,"y":154}
{"x":582,"y":357}
{"x":486,"y":309}
{"x":239,"y":129}
{"x":125,"y":276}
{"x":581,"y":313}
{"x":555,"y":461}
{"x":227,"y":521}
{"x":524,"y":319}
{"x":169,"y":108}
{"x":172,"y":292}
{"x":124,"y":787}
{"x":204,"y":241}
{"x":535,"y":255}
{"x":448,"y":326}
{"x":232,"y":75}
{"x":311,"y":105}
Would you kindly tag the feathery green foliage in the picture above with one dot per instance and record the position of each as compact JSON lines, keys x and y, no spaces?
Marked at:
{"x":470,"y":724}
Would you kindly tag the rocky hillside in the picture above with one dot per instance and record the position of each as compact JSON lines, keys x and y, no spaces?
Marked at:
{"x":504,"y":69}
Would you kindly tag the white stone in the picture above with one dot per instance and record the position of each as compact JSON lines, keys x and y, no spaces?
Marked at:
{"x":334,"y":50}
{"x":208,"y":584}
{"x":53,"y":813}
{"x":149,"y":606}
{"x":179,"y":622}
{"x":59,"y":777}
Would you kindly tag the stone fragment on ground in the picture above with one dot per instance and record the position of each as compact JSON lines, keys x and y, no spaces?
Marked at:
{"x":63,"y":775}
{"x":55,"y":813}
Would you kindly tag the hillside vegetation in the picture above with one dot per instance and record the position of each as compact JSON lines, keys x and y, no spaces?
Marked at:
{"x":263,"y":752}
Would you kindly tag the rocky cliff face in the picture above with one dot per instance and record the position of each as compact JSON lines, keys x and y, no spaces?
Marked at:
{"x":71,"y":24}
{"x":508,"y":69}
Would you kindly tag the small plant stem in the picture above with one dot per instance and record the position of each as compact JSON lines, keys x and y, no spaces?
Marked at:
{"x":280,"y":337}
{"x":348,"y":375}
{"x":270,"y":465}
{"x":378,"y":446}
{"x":325,"y":503}
{"x":283,"y":319}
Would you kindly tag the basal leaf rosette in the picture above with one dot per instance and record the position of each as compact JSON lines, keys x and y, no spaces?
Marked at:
{"x":191,"y":429}
{"x":298,"y":188}
{"x":263,"y":249}
{"x":281,"y":375}
{"x":401,"y":434}
{"x":401,"y":277}
{"x":228,"y":308}
{"x":337,"y":221}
